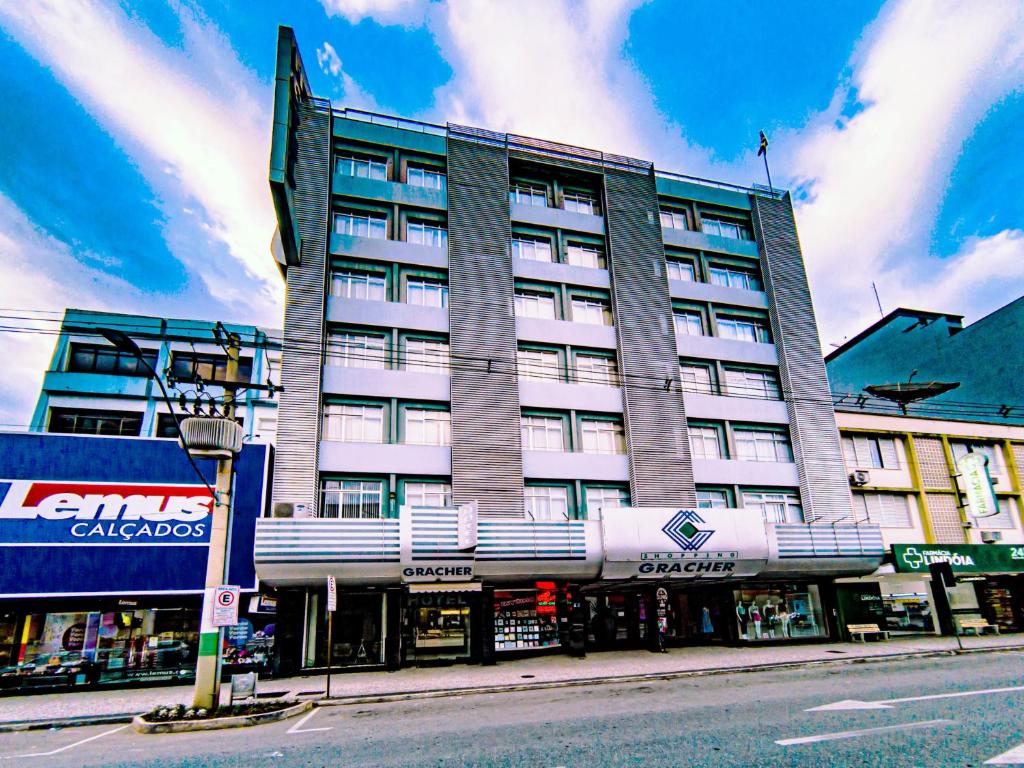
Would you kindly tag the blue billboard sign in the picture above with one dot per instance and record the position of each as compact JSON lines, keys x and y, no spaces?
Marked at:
{"x":96,"y":515}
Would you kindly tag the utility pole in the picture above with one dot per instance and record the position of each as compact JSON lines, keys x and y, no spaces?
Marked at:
{"x":211,"y":638}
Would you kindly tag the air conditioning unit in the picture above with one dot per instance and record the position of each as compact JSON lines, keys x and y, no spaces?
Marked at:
{"x":991,"y":537}
{"x":284,"y":509}
{"x":860,"y":477}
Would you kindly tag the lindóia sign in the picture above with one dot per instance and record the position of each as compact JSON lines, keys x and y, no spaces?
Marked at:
{"x":964,"y":558}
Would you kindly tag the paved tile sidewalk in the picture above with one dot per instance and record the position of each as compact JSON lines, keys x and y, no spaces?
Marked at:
{"x":548,"y":669}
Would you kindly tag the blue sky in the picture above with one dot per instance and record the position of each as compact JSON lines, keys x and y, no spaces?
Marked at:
{"x":134,"y":172}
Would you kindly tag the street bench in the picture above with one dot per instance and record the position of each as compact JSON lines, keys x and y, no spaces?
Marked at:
{"x":978,"y":625}
{"x":861,"y":632}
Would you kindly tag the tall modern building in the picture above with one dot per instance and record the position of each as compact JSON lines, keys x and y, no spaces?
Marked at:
{"x":522,"y":377}
{"x":93,"y":389}
{"x":907,"y":467}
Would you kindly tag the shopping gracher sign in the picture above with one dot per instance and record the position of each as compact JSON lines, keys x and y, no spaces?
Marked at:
{"x":36,"y":512}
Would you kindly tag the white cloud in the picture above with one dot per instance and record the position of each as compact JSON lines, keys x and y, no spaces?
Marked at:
{"x":45,"y":275}
{"x":924,"y":76}
{"x":328,"y":59}
{"x":194,"y":120}
{"x":404,"y":12}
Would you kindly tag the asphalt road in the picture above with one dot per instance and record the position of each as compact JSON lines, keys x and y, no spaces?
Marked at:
{"x":727,"y":720}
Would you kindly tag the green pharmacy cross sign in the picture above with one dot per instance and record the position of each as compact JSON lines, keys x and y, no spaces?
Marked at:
{"x":964,"y":558}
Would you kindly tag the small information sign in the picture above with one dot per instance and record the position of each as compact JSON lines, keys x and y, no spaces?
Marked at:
{"x":225,"y":605}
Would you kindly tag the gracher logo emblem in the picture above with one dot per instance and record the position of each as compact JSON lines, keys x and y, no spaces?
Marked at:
{"x":913,"y":558}
{"x":682,"y":531}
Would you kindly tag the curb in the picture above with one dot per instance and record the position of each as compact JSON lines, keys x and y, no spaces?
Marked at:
{"x":15,"y":726}
{"x":214,"y":724}
{"x":646,"y":677}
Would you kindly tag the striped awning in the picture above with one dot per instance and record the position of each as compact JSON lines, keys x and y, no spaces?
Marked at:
{"x":446,"y":586}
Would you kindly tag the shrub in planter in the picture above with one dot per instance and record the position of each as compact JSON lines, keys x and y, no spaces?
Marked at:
{"x":181,"y":712}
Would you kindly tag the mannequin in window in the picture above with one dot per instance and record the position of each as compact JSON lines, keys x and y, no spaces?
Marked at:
{"x":741,"y":617}
{"x":783,"y":615}
{"x":755,"y":616}
{"x":770,"y":618}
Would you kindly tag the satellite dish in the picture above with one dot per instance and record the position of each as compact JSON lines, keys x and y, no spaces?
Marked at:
{"x":907,"y":392}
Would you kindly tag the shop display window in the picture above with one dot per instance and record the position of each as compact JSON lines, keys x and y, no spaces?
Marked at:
{"x":525,"y":618}
{"x":440,"y":625}
{"x":358,"y":637}
{"x":907,"y":610}
{"x":779,"y":612}
{"x":78,"y":648}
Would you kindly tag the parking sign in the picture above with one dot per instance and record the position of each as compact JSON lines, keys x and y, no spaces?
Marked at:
{"x":225,"y":605}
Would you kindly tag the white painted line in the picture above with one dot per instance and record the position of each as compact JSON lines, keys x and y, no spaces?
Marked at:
{"x":297,"y":728}
{"x":887,"y":703}
{"x":69,"y":746}
{"x":862,"y":732}
{"x":1014,"y":757}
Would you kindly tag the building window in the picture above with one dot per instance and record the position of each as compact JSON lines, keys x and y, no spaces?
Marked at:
{"x":426,"y":293}
{"x":193,"y":366}
{"x":996,"y":465}
{"x":428,"y":494}
{"x":356,"y":350}
{"x":95,"y":359}
{"x":524,"y":194}
{"x":674,"y":218}
{"x":743,"y":329}
{"x":591,"y":311}
{"x":361,"y":225}
{"x":167,"y":425}
{"x":361,"y":167}
{"x":531,"y":248}
{"x":712,"y":499}
{"x":762,"y":445}
{"x":537,"y":305}
{"x":433,"y":235}
{"x":354,"y":423}
{"x":424,"y":177}
{"x":580,"y":202}
{"x":869,"y":451}
{"x":366,"y":286}
{"x":427,"y":355}
{"x":775,"y":506}
{"x":696,"y":378}
{"x":746,"y":383}
{"x":580,"y":255}
{"x":733,"y":277}
{"x":597,"y":370}
{"x":537,"y":364}
{"x":600,"y":499}
{"x":688,"y":322}
{"x":546,"y":502}
{"x":724,"y":228}
{"x":602,"y":436}
{"x":1002,"y":520}
{"x":681,"y":270}
{"x":352,"y":498}
{"x":428,"y":426}
{"x":542,"y":433}
{"x":888,"y":510}
{"x":705,"y":442}
{"x":95,"y":422}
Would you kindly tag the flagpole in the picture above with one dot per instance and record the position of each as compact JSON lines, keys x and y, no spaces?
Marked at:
{"x":762,"y":150}
{"x":769,"y":173}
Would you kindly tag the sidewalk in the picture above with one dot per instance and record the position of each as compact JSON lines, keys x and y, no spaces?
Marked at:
{"x":540,"y":672}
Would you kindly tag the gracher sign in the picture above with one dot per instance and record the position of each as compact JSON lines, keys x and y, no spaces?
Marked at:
{"x":964,"y":558}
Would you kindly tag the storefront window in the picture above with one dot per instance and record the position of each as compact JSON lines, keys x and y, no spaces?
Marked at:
{"x":779,"y":612}
{"x":440,"y":626}
{"x":357,"y":630}
{"x":96,"y":647}
{"x":906,"y":606}
{"x":525,"y":618}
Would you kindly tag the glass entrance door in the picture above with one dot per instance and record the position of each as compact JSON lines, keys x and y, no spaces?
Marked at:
{"x":440,"y":624}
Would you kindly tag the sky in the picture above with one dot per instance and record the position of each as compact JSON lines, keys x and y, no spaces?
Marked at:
{"x":136,"y":136}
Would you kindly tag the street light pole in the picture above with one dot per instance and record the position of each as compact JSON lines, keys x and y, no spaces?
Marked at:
{"x":211,"y":638}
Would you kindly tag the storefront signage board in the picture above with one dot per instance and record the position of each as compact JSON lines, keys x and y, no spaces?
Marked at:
{"x":83,"y":515}
{"x":681,"y":543}
{"x":981,"y":496}
{"x":964,"y":558}
{"x":429,"y":541}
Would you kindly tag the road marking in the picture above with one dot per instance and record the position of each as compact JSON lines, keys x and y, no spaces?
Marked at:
{"x":862,"y":732}
{"x":887,"y":703}
{"x":1014,"y":757}
{"x":297,"y":728}
{"x":69,"y":746}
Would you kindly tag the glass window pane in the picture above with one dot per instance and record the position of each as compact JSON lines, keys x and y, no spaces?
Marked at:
{"x":427,"y":355}
{"x":688,"y":323}
{"x":596,"y":370}
{"x":538,"y":364}
{"x":696,"y":378}
{"x":537,"y":305}
{"x":681,"y":270}
{"x":712,"y":499}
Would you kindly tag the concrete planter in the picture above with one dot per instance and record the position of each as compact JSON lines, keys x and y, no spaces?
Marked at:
{"x":140,"y":724}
